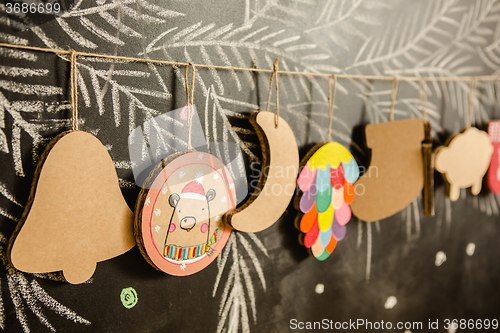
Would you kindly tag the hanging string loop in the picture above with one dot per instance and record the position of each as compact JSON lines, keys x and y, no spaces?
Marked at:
{"x":189,"y":99}
{"x":423,"y":98}
{"x":274,"y":75}
{"x":331,"y":102}
{"x":394,"y":92}
{"x":74,"y":91}
{"x":472,"y":90}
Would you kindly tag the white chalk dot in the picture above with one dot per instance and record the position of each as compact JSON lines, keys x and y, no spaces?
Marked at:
{"x":320,"y":288}
{"x":391,"y":302}
{"x":471,"y":247}
{"x":440,"y":258}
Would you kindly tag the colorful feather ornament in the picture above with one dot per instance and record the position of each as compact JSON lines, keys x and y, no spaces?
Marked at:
{"x":327,"y":182}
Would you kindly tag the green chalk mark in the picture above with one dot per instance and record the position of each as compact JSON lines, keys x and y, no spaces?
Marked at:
{"x":128,"y":297}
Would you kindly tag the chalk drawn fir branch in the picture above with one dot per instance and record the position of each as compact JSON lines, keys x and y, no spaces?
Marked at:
{"x":30,"y":295}
{"x":227,"y":44}
{"x":285,"y":13}
{"x":119,"y":83}
{"x":105,"y":18}
{"x":403,"y":41}
{"x":414,"y":49}
{"x":238,"y":294}
{"x":487,"y":204}
{"x":339,"y":21}
{"x":19,"y":112}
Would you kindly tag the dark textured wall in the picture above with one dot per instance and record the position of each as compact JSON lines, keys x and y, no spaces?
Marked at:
{"x":260,"y":281}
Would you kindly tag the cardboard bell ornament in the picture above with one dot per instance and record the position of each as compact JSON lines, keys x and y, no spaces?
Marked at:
{"x":76,"y":215}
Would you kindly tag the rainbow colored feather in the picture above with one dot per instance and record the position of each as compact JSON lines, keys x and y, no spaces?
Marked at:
{"x":327,"y":182}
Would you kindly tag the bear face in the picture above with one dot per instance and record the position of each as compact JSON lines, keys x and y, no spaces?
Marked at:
{"x":190,"y":221}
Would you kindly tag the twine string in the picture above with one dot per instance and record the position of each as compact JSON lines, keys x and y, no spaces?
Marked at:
{"x":394,"y":92}
{"x":472,"y":89}
{"x":423,"y":99}
{"x":189,"y":100}
{"x":274,"y":72}
{"x":176,"y":63}
{"x":331,"y":103}
{"x":74,"y":91}
{"x":273,"y":75}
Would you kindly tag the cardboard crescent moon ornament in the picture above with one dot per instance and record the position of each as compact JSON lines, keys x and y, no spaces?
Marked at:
{"x":178,"y":224}
{"x":395,"y":176}
{"x":276,"y":184}
{"x":494,"y":170}
{"x":326,"y":180}
{"x":463,"y":162}
{"x":76,"y":215}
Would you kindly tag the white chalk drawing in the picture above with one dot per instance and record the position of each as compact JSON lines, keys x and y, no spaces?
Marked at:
{"x":28,"y":295}
{"x":434,"y":38}
{"x":238,"y":291}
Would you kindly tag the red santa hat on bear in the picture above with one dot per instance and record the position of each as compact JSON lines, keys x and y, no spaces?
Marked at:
{"x":193,"y":190}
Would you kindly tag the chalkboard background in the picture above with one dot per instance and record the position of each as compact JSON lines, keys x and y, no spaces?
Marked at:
{"x":260,"y":281}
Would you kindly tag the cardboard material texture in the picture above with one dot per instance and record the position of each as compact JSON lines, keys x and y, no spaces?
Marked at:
{"x":464,"y":160}
{"x":494,"y":170}
{"x":328,"y":173}
{"x":395,"y":176}
{"x":428,"y":195}
{"x":276,"y":186}
{"x":76,"y":215}
{"x":178,"y":225}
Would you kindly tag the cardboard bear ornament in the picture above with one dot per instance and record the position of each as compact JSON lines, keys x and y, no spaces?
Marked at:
{"x":76,"y":215}
{"x":178,"y":224}
{"x":327,"y":182}
{"x":395,"y":176}
{"x":464,"y":160}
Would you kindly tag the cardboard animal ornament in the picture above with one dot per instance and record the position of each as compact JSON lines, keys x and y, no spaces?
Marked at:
{"x":395,"y":176}
{"x":463,"y":162}
{"x":494,"y":169}
{"x":327,"y":182}
{"x":76,"y":215}
{"x":178,"y":224}
{"x":276,"y":185}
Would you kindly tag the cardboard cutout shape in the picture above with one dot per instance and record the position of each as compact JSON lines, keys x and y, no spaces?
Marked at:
{"x":326,"y":180}
{"x":464,"y":161}
{"x":395,"y":176}
{"x":178,"y":224}
{"x":494,"y":170}
{"x":276,"y":185}
{"x":76,"y":215}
